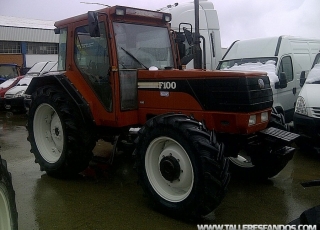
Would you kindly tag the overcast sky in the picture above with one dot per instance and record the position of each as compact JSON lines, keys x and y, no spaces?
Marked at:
{"x":239,"y":19}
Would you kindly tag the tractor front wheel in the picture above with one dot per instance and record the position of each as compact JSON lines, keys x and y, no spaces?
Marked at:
{"x":180,"y":166}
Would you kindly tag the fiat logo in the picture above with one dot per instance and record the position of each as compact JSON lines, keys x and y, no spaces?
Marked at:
{"x":261,"y":83}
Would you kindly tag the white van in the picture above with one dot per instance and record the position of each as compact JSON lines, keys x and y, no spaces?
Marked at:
{"x":183,"y":16}
{"x":307,"y":112}
{"x":285,"y":58}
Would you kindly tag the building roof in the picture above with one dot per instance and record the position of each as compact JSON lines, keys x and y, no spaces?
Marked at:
{"x":29,"y":30}
{"x":25,"y":23}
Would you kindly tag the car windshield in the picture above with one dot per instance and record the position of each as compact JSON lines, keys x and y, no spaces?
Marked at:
{"x":141,"y":46}
{"x":8,"y":71}
{"x":37,"y":68}
{"x":265,"y":64}
{"x":7,"y":83}
{"x":41,"y":67}
{"x":51,"y":66}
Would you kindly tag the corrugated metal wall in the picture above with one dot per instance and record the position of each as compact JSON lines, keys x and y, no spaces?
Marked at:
{"x":28,"y":34}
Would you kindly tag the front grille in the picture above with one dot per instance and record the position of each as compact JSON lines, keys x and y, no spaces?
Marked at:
{"x":233,"y":94}
{"x":315,"y":112}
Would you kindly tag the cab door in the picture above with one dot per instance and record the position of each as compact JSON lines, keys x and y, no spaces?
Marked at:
{"x":91,"y":70}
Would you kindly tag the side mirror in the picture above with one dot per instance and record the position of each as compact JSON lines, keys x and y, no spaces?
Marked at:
{"x":188,"y":35}
{"x":180,"y":38}
{"x":282,"y":81}
{"x":302,"y":78}
{"x":93,"y":24}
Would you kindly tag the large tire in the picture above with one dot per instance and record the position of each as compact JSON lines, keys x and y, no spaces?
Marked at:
{"x":262,"y":165}
{"x":180,"y":166}
{"x":60,"y":140}
{"x":8,"y":210}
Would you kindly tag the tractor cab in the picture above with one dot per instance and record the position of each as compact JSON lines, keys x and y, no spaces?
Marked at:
{"x":107,"y":48}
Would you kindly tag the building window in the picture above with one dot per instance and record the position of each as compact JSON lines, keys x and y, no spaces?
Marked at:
{"x":7,"y":47}
{"x":42,"y":48}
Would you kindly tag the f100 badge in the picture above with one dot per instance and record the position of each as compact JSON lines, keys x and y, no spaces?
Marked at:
{"x":167,"y":85}
{"x":163,"y":85}
{"x":261,"y":83}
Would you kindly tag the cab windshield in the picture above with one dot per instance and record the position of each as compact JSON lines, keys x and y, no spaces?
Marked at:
{"x":244,"y":63}
{"x":314,"y":75}
{"x":265,"y":64}
{"x":141,"y":46}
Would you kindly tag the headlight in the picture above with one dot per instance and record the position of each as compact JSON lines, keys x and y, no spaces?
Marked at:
{"x":19,"y":94}
{"x":264,"y":117}
{"x":301,"y":106}
{"x":252,"y":120}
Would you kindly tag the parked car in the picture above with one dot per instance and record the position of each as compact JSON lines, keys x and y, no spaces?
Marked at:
{"x":14,"y":97}
{"x":306,"y":118}
{"x":8,"y":71}
{"x":5,"y":86}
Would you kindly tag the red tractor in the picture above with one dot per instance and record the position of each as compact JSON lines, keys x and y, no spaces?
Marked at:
{"x":120,"y":72}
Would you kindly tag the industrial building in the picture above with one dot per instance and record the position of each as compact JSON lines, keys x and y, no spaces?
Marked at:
{"x":27,"y":41}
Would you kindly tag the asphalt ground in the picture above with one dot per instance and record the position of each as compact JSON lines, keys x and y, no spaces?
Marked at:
{"x":110,"y":198}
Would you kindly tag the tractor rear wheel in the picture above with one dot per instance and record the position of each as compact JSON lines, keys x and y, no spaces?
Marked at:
{"x":180,"y":166}
{"x":8,"y":210}
{"x":61,"y":142}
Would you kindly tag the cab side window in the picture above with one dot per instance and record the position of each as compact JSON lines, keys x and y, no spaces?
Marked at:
{"x":92,"y":59}
{"x":62,"y":49}
{"x":286,"y":67}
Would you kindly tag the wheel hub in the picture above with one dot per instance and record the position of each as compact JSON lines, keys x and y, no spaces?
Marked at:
{"x":56,"y":131}
{"x":170,"y":168}
{"x":48,"y":133}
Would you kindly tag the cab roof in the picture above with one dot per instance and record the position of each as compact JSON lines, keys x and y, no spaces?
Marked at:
{"x":110,"y":12}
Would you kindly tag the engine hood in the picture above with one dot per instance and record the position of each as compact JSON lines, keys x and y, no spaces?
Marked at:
{"x":16,"y":89}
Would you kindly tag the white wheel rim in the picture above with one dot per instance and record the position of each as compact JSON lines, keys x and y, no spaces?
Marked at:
{"x":179,"y":189}
{"x":242,"y":160}
{"x":48,"y":133}
{"x":5,"y":220}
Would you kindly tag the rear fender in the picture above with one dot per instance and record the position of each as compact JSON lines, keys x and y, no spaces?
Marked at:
{"x":60,"y":80}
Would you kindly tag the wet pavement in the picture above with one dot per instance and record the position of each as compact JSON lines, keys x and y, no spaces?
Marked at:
{"x":109,"y":198}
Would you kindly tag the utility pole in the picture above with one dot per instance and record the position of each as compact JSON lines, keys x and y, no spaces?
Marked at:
{"x":197,"y":61}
